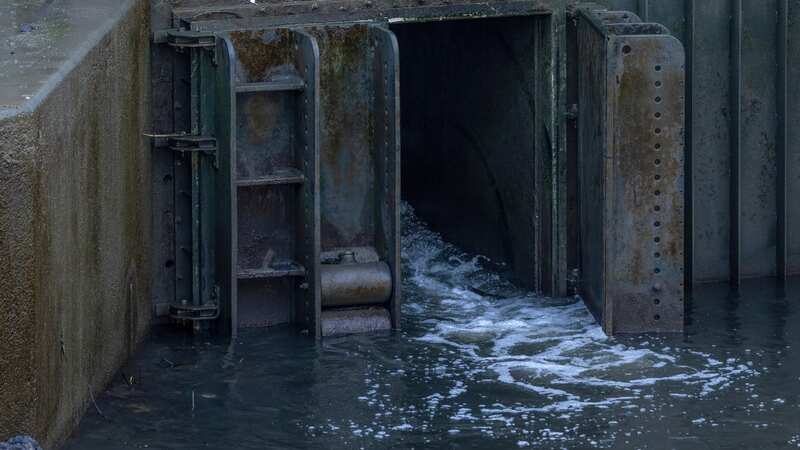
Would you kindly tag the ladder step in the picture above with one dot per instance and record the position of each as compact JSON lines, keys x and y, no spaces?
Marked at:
{"x":280,"y":269}
{"x":287,"y":83}
{"x":283,"y":176}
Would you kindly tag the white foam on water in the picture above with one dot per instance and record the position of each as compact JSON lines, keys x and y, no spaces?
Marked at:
{"x":481,"y":356}
{"x":552,"y":348}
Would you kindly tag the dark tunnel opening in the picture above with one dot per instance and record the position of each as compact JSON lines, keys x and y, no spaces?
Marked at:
{"x":469,"y":111}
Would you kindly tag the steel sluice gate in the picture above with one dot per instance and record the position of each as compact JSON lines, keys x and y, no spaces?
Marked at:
{"x":282,"y":231}
{"x":549,"y":138}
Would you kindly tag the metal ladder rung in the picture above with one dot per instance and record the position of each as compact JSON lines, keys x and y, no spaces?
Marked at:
{"x":281,"y":269}
{"x":289,"y":83}
{"x":283,"y":176}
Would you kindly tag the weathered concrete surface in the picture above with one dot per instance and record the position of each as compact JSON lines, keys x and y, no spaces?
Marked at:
{"x":74,"y":226}
{"x":39,"y":40}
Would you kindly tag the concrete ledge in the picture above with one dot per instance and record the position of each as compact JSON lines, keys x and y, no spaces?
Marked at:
{"x":74,"y":227}
{"x":60,"y":35}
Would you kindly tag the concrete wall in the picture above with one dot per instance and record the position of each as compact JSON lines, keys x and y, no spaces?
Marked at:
{"x":75,"y":231}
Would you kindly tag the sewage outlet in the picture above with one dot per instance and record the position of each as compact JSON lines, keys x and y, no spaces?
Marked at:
{"x":473,"y":108}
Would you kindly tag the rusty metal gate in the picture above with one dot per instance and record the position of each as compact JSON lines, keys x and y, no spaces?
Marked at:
{"x":309,"y":125}
{"x":629,"y":100}
{"x":724,"y":182}
{"x":292,"y":212}
{"x":742,"y":160}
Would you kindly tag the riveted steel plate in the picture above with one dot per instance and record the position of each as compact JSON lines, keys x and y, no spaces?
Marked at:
{"x":631,"y":121}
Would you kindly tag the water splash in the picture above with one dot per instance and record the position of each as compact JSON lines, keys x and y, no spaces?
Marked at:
{"x":550,"y":347}
{"x":479,"y":363}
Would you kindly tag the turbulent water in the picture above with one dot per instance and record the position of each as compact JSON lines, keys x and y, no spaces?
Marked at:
{"x":479,"y":364}
{"x":552,"y":348}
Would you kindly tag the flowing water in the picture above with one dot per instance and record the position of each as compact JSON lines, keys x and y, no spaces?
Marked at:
{"x":479,"y":364}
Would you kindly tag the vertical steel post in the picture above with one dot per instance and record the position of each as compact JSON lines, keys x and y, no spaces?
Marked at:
{"x":644,"y":10}
{"x":196,"y":297}
{"x":689,"y":42}
{"x":782,"y":162}
{"x":736,"y":145}
{"x":195,"y":181}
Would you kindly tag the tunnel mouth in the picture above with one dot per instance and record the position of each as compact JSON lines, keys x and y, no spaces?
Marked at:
{"x":471,"y":96}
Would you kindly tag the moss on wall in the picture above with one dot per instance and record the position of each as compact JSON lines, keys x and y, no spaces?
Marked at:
{"x":74,"y":234}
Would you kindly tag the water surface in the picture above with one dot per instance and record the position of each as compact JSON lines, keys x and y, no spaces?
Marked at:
{"x":479,"y":364}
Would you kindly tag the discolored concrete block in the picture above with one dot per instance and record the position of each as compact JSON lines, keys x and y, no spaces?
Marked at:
{"x":74,"y":212}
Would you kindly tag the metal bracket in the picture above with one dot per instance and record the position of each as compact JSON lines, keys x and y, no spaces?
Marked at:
{"x":184,"y":142}
{"x":189,"y":143}
{"x":572,"y":112}
{"x":194,"y":313}
{"x":180,"y":38}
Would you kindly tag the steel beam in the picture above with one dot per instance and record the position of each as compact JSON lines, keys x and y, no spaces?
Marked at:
{"x":736,"y":145}
{"x":688,"y":46}
{"x":782,"y":163}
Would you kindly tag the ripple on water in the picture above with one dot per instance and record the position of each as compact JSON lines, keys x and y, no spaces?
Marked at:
{"x":479,"y":363}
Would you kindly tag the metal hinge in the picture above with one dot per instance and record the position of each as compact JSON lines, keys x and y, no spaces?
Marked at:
{"x":181,"y":39}
{"x":194,"y":313}
{"x":187,"y":143}
{"x":183,"y":144}
{"x":572,"y":112}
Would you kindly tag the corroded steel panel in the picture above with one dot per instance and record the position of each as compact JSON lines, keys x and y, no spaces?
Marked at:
{"x":645,"y":248}
{"x":630,"y":144}
{"x":742,"y":152}
{"x":359,"y":152}
{"x":534,"y":50}
{"x":309,"y":152}
{"x":592,"y":141}
{"x":268,"y":129}
{"x":347,"y":153}
{"x":386,"y":129}
{"x":243,"y":15}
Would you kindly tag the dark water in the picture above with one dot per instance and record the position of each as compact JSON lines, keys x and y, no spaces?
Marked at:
{"x":479,"y":364}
